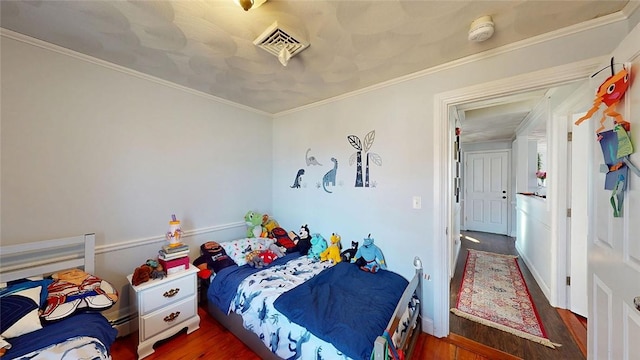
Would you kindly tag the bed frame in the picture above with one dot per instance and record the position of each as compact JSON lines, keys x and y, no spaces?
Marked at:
{"x":233,"y":322}
{"x":46,"y":257}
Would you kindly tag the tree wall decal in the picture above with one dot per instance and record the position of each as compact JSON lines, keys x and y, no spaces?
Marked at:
{"x":356,"y":157}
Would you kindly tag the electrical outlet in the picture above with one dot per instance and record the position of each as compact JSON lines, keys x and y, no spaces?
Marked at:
{"x":417,"y":202}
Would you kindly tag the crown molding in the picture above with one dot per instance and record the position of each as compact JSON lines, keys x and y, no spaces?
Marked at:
{"x":111,"y":66}
{"x":583,"y":26}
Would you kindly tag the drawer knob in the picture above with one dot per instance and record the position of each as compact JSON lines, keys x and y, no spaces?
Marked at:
{"x":172,"y":316}
{"x":171,"y":293}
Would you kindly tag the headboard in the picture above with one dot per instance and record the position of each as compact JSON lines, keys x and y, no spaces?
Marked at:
{"x":46,"y":257}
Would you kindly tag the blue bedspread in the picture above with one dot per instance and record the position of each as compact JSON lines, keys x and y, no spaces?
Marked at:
{"x":225,"y":284}
{"x":359,"y":304}
{"x":82,"y":324}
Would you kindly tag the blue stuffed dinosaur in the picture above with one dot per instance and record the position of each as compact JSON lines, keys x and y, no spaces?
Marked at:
{"x":369,"y":257}
{"x":318,"y":245}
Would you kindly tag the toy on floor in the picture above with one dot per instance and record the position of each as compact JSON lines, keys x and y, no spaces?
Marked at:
{"x":369,"y":257}
{"x":350,"y":253}
{"x":213,"y":258}
{"x":332,"y":253}
{"x":318,"y":245}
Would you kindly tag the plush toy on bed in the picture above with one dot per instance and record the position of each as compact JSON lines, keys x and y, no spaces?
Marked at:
{"x":318,"y":245}
{"x":254,"y":224}
{"x":369,"y":257}
{"x":350,"y":253}
{"x":304,"y":240}
{"x":332,"y":253}
{"x":270,"y":244}
{"x":268,"y":224}
{"x":213,"y":258}
{"x":74,"y":290}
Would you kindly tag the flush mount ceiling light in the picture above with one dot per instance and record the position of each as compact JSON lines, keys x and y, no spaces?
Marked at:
{"x":280,"y":42}
{"x":481,"y":29}
{"x":249,"y":4}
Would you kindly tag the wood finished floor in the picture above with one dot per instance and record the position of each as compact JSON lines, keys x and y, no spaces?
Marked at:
{"x":213,"y":341}
{"x":511,"y":344}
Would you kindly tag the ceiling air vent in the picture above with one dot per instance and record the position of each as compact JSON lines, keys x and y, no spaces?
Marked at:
{"x":280,"y":42}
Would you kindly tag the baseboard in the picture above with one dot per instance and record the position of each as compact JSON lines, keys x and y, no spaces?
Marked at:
{"x":543,"y":286}
{"x":427,"y":325}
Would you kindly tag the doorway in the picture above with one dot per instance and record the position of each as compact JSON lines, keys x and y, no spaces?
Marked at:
{"x":443,"y":190}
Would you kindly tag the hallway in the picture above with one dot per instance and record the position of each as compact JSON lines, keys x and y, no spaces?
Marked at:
{"x":525,"y":349}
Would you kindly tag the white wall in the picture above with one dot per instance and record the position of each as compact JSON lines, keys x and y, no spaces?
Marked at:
{"x":87,"y":148}
{"x":402,"y":116}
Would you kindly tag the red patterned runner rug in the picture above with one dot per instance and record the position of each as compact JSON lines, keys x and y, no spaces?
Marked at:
{"x":494,"y":293}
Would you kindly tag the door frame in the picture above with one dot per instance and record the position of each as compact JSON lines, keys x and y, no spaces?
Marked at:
{"x":443,"y":127}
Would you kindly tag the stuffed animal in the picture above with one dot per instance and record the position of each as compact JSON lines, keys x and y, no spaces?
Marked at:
{"x":350,"y":253}
{"x":74,"y":290}
{"x":283,"y":240}
{"x":318,"y":245}
{"x":304,"y":240}
{"x":213,"y":258}
{"x":254,"y":260}
{"x":267,"y":256}
{"x":332,"y":253}
{"x":369,"y":257}
{"x":270,"y":244}
{"x":254,"y":224}
{"x":268,"y":224}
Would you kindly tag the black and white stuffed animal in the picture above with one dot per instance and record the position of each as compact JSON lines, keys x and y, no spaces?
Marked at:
{"x":348,"y":254}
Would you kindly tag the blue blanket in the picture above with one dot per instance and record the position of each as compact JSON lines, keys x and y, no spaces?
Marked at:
{"x":82,"y":324}
{"x":345,"y":306}
{"x":225,"y":284}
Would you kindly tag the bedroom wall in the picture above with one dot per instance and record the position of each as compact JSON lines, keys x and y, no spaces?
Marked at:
{"x":401,"y":113}
{"x":90,"y":148}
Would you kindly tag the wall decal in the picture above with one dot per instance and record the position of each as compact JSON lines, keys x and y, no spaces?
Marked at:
{"x":330,"y":177}
{"x":311,"y":160}
{"x":298,"y":179}
{"x":357,"y":156}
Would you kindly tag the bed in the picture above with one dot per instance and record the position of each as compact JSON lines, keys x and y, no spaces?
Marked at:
{"x":299,"y":308}
{"x":24,"y":271}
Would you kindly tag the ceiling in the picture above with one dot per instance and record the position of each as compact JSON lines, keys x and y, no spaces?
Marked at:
{"x":208,"y":45}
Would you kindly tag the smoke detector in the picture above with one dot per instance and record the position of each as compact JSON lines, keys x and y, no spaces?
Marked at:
{"x":281,"y":43}
{"x":481,"y":29}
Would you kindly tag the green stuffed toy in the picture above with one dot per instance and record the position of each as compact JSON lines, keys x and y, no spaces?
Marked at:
{"x":254,"y":224}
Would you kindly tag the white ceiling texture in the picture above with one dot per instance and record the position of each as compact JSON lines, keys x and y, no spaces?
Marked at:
{"x":209,"y":46}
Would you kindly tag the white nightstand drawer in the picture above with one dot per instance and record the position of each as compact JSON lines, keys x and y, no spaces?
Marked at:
{"x":166,"y":294}
{"x":167,"y":318}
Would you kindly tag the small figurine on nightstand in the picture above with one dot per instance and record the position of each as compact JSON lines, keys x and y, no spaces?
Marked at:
{"x":175,"y":232}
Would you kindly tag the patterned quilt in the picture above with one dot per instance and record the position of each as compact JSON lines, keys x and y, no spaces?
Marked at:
{"x":254,"y":301}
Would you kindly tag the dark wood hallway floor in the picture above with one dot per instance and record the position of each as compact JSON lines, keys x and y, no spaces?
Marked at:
{"x":525,"y":349}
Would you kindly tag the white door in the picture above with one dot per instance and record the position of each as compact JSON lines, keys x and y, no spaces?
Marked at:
{"x":614,"y":243}
{"x":579,"y":173}
{"x":487,"y":191}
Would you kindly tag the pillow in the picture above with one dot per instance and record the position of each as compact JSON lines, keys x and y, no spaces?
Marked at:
{"x":26,"y":284}
{"x":238,"y":249}
{"x":19,"y":312}
{"x":74,"y":290}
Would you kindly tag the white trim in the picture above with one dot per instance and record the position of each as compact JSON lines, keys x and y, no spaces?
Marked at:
{"x":161,"y":238}
{"x":441,"y":190}
{"x":93,"y":60}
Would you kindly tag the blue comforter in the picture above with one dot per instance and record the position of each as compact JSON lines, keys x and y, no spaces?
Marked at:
{"x":359,"y":305}
{"x":225,"y":284}
{"x":82,"y":324}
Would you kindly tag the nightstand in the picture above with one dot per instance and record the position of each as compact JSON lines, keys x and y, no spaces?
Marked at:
{"x":165,"y":306}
